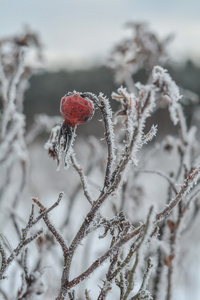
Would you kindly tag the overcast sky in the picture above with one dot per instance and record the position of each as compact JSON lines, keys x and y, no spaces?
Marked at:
{"x":75,"y":32}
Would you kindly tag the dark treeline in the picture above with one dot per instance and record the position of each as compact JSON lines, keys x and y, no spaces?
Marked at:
{"x":47,"y":88}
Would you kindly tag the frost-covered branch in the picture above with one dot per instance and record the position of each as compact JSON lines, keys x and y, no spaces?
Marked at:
{"x":143,"y":292}
{"x":49,"y":225}
{"x":189,"y":183}
{"x":24,"y":241}
{"x":82,"y":177}
{"x":110,"y":137}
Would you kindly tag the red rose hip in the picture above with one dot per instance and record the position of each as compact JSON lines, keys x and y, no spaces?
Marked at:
{"x":76,"y":109}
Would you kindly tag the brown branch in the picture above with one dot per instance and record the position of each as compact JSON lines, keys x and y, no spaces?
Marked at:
{"x":109,"y":135}
{"x":17,"y":250}
{"x":159,"y":217}
{"x":105,"y":256}
{"x":46,"y":211}
{"x":186,"y":187}
{"x":50,"y":226}
{"x":82,"y":177}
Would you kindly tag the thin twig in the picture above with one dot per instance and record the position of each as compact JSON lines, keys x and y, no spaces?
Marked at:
{"x":43,"y":213}
{"x":51,"y":227}
{"x":82,"y":177}
{"x":171,"y":181}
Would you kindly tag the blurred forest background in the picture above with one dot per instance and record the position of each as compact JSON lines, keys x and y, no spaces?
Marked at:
{"x":77,"y":37}
{"x":46,"y":89}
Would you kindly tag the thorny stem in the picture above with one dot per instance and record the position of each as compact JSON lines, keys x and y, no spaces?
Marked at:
{"x":25,"y":263}
{"x":105,"y":256}
{"x":50,"y":226}
{"x":132,"y":271}
{"x":113,"y":273}
{"x":105,"y":109}
{"x":123,"y":198}
{"x":170,"y":266}
{"x":17,"y":250}
{"x":24,"y":240}
{"x":104,"y":106}
{"x":79,"y":236}
{"x":159,"y":266}
{"x":10,"y":94}
{"x":186,"y":187}
{"x":82,"y":177}
{"x":77,"y":189}
{"x":46,"y":211}
{"x":159,"y":217}
{"x":173,"y":238}
{"x":132,"y":250}
{"x":106,"y":286}
{"x":133,"y":144}
{"x":146,"y":274}
{"x":144,"y":281}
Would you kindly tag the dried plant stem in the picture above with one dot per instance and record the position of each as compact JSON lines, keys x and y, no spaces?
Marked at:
{"x":159,"y":268}
{"x":24,"y":240}
{"x":159,"y":217}
{"x":82,"y":177}
{"x":109,"y":134}
{"x":145,"y":280}
{"x":131,"y":272}
{"x":146,"y":274}
{"x":185,"y":189}
{"x":51,"y":227}
{"x":17,"y":250}
{"x":46,"y":211}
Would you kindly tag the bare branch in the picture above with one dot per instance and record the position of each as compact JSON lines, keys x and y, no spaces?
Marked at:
{"x":82,"y":177}
{"x":170,"y":180}
{"x":50,"y":226}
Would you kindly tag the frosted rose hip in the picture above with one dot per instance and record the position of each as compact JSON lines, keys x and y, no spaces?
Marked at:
{"x":76,"y":109}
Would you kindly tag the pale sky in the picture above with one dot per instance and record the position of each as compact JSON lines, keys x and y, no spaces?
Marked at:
{"x":76,"y":32}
